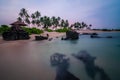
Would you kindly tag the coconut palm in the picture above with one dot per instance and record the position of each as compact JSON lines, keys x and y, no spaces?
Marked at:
{"x":19,"y":19}
{"x":33,"y":22}
{"x":89,"y":27}
{"x":33,"y":19}
{"x":24,"y":16}
{"x":23,"y":13}
{"x":66,"y":23}
{"x":62,"y":23}
{"x":27,"y":21}
{"x":37,"y":14}
{"x":77,"y":25}
{"x":37,"y":17}
{"x":21,"y":16}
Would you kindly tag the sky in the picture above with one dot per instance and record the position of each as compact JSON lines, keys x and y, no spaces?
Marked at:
{"x":99,"y":13}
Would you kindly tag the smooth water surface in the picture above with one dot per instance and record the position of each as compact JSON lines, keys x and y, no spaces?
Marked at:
{"x":30,"y":60}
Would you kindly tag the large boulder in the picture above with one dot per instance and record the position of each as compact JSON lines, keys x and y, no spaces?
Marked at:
{"x":71,"y":35}
{"x":15,"y":35}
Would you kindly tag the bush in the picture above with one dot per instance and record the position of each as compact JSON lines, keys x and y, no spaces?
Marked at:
{"x":32,"y":30}
{"x":62,"y":30}
{"x":49,"y":30}
{"x":4,"y":28}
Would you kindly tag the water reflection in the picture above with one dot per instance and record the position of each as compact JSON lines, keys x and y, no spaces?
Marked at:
{"x":91,"y":68}
{"x":61,"y":62}
{"x":118,"y":45}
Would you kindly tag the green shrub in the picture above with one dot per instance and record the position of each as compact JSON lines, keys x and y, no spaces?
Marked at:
{"x":32,"y":30}
{"x":49,"y":30}
{"x":4,"y":28}
{"x":62,"y":30}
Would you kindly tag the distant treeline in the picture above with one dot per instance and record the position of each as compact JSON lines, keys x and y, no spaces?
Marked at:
{"x":106,"y":29}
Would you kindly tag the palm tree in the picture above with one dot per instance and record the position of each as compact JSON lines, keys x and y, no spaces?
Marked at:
{"x":62,"y":23}
{"x":89,"y":27}
{"x":33,"y":19}
{"x":23,"y":13}
{"x":77,"y":25}
{"x":24,"y":16}
{"x":21,"y":16}
{"x":37,"y":16}
{"x":19,"y":19}
{"x":27,"y":21}
{"x":33,"y":22}
{"x":66,"y":24}
{"x":53,"y":20}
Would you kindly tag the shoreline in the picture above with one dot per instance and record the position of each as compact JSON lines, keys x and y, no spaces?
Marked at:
{"x":52,"y":35}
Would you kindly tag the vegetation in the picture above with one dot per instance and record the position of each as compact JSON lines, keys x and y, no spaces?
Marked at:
{"x":35,"y":19}
{"x":32,"y":30}
{"x":4,"y":28}
{"x":49,"y":30}
{"x":62,"y":30}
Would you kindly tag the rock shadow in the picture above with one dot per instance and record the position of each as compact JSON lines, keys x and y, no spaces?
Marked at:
{"x":61,"y":62}
{"x":91,"y":68}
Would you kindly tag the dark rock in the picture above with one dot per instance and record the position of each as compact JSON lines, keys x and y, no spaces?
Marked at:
{"x":71,"y":35}
{"x":95,"y":36}
{"x":64,"y":38}
{"x":50,"y":39}
{"x":40,"y":38}
{"x":109,"y":37}
{"x":89,"y":34}
{"x":15,"y":35}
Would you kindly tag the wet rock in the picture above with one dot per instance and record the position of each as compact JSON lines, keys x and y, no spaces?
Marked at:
{"x":95,"y":36}
{"x":71,"y":35}
{"x":15,"y":35}
{"x":41,"y":38}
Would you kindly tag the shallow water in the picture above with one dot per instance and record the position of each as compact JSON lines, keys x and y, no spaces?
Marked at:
{"x":22,"y":60}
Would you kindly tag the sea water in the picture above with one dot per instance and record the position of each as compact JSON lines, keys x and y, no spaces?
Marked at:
{"x":37,"y":54}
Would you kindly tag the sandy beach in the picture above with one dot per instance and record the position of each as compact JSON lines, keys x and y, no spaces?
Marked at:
{"x":32,"y":37}
{"x":54,"y":35}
